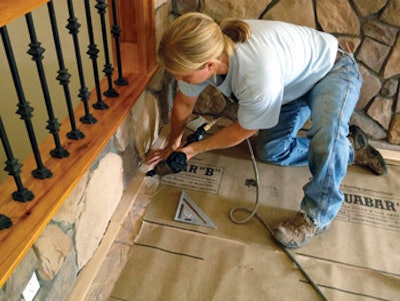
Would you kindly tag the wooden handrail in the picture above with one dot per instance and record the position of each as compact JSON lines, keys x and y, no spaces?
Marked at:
{"x":11,"y":9}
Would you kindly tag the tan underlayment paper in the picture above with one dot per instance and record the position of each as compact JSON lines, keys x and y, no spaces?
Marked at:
{"x":356,"y":259}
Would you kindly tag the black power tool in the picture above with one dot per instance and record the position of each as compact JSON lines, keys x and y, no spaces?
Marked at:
{"x":176,"y":162}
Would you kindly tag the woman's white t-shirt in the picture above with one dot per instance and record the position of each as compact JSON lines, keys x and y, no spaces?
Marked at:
{"x":279,"y":63}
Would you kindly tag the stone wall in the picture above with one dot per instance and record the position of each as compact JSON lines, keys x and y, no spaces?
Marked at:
{"x":370,"y":29}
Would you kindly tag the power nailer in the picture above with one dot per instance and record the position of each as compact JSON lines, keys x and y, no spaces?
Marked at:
{"x":176,"y":162}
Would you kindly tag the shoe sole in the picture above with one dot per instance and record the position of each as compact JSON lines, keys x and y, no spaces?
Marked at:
{"x":360,"y":142}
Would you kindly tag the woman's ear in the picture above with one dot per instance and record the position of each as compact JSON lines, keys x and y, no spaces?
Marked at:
{"x":211,"y":66}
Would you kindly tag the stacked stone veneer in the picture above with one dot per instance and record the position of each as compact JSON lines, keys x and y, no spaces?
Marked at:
{"x":370,"y":29}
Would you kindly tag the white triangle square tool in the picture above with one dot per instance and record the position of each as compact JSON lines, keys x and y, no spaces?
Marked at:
{"x":189,"y":212}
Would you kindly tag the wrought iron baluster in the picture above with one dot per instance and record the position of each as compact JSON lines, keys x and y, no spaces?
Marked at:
{"x":36,"y":51}
{"x":116,"y":31}
{"x":73,"y":27}
{"x":92,"y":52}
{"x":24,"y":109}
{"x":13,"y":167}
{"x":63,"y":75}
{"x":108,"y":68}
{"x":5,"y":222}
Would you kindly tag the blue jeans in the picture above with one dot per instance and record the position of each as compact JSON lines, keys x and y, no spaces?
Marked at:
{"x":326,"y":148}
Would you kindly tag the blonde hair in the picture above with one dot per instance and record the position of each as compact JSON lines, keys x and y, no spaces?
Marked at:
{"x":193,"y":39}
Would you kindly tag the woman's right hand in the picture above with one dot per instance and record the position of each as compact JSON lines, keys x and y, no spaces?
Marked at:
{"x":157,"y":155}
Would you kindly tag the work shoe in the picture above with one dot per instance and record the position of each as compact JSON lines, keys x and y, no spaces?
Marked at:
{"x":364,"y":153}
{"x":297,"y":231}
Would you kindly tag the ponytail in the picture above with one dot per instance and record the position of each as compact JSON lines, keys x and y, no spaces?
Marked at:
{"x":238,"y":31}
{"x":235,"y":31}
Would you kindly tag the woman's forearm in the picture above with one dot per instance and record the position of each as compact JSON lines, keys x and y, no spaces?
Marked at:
{"x":180,"y":114}
{"x":227,"y":137}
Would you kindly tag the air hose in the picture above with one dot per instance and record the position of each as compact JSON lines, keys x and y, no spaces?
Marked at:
{"x":253,"y":213}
